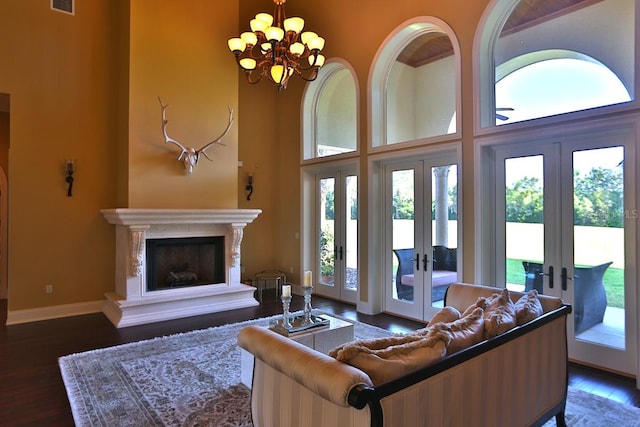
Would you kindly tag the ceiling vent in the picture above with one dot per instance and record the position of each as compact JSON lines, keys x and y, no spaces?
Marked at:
{"x":65,"y":6}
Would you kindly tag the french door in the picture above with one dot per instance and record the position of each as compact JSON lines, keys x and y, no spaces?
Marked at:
{"x":563,"y":228}
{"x":336,"y":263}
{"x":421,"y":250}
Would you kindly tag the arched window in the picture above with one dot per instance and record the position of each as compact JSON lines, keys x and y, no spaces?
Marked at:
{"x":415,"y":84}
{"x":546,"y":50}
{"x":554,"y":82}
{"x":330,"y":113}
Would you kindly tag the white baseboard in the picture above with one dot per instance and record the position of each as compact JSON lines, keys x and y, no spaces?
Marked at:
{"x":53,"y":312}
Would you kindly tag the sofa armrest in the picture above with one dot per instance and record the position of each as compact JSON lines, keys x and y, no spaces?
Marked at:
{"x":316,"y":371}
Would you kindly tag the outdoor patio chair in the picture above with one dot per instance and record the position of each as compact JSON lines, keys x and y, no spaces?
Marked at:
{"x":589,"y":296}
{"x":405,"y":267}
{"x":533,"y":276}
{"x":444,"y":272}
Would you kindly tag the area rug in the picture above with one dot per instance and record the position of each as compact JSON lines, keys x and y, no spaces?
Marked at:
{"x":193,"y":379}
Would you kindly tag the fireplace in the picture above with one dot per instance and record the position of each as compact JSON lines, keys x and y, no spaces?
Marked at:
{"x":173,"y":263}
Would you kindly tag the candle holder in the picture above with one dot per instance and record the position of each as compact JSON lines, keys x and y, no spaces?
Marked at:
{"x":307,"y":304}
{"x":286,"y":302}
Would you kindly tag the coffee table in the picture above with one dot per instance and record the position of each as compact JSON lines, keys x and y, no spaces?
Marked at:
{"x":323,"y":339}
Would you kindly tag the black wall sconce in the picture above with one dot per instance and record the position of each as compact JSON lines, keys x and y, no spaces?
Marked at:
{"x":69,"y":178}
{"x":249,"y":187}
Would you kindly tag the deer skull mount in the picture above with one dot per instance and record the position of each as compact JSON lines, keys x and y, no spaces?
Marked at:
{"x":190,"y":156}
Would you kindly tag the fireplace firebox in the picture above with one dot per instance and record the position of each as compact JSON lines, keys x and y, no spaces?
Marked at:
{"x":186,"y":261}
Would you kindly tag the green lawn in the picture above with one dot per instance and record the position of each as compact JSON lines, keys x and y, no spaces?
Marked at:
{"x":613,"y":281}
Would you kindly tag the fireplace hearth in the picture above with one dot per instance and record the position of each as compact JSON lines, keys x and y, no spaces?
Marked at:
{"x":173,"y":263}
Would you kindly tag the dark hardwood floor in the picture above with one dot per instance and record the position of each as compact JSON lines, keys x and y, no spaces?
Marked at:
{"x":32,"y":392}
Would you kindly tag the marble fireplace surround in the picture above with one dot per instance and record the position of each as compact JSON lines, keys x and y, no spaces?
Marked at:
{"x":131,"y":303}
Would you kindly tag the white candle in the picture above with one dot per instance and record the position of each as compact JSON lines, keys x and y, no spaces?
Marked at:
{"x":286,"y":290}
{"x":307,"y":279}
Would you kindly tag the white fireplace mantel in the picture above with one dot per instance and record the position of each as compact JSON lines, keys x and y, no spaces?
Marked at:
{"x":125,"y":216}
{"x":132,"y":304}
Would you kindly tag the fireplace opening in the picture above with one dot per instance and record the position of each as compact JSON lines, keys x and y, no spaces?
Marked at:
{"x":186,"y":261}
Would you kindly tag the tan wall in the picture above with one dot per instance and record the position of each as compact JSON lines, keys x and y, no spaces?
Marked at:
{"x":58,"y":70}
{"x":179,"y":52}
{"x":76,"y":93}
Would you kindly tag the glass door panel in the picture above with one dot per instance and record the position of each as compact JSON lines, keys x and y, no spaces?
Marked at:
{"x":351,"y":236}
{"x":444,"y":208}
{"x":598,"y":246}
{"x":327,"y":248}
{"x":403,"y":234}
{"x":524,"y":223}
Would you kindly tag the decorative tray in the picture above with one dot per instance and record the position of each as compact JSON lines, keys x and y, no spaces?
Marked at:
{"x":298,"y":325}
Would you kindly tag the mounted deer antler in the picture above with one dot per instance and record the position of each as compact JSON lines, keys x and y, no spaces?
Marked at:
{"x":190,"y":156}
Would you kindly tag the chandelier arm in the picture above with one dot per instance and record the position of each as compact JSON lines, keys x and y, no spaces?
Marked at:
{"x":312,"y":77}
{"x":249,"y":73}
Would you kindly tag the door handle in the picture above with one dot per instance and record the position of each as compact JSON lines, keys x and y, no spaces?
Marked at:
{"x":564,"y":278}
{"x":417,"y":260}
{"x":550,"y":274}
{"x":340,"y":251}
{"x":424,"y":262}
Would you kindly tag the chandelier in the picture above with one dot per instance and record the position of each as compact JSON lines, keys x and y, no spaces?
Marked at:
{"x":277,"y":48}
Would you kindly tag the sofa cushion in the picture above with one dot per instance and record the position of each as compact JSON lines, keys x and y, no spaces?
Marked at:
{"x":388,"y":358}
{"x":499,"y":314}
{"x":481,"y":302}
{"x":528,"y":307}
{"x":446,"y":314}
{"x":463,"y":332}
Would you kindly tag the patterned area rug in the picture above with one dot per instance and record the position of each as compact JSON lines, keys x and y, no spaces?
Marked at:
{"x":193,"y":379}
{"x":189,"y":379}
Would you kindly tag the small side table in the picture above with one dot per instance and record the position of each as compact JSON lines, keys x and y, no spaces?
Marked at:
{"x":264,"y":277}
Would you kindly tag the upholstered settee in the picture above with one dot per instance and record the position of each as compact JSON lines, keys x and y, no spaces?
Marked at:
{"x":516,"y":378}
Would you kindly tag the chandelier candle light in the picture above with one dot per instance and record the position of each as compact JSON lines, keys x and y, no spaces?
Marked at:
{"x":277,"y":48}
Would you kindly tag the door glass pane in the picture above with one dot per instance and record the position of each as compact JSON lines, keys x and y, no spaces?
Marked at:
{"x":327,"y":231}
{"x":598,"y":217}
{"x":403,"y":202}
{"x":524,"y":205}
{"x":351,"y":240}
{"x":444,"y":217}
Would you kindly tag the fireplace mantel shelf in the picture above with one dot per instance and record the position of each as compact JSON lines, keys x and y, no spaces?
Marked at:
{"x":125,"y":216}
